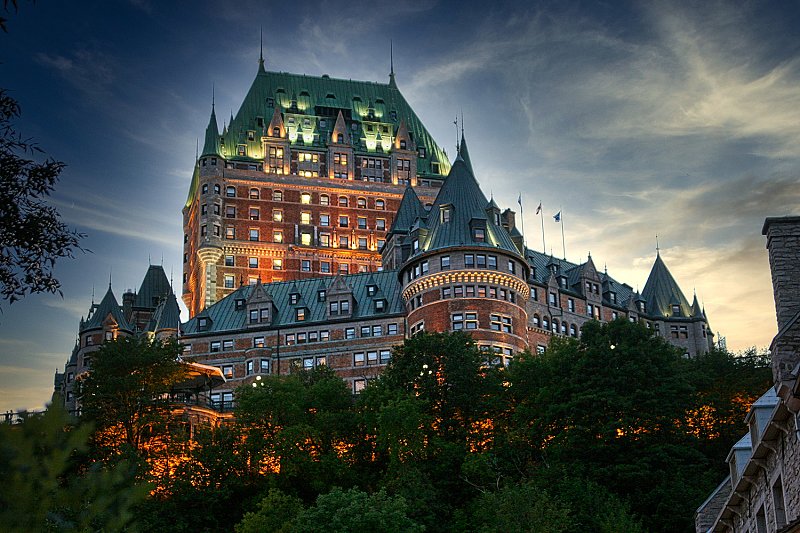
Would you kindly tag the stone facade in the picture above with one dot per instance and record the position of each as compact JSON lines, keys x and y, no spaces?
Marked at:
{"x":764,"y":485}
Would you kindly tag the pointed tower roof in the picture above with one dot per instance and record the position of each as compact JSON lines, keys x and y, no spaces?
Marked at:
{"x":155,"y":286}
{"x":464,"y":153}
{"x":211,"y":144}
{"x":107,"y":306}
{"x":340,"y":128}
{"x":166,"y":316}
{"x":402,"y":135}
{"x":696,"y":310}
{"x":462,"y":197}
{"x":409,"y":211}
{"x":662,"y":292}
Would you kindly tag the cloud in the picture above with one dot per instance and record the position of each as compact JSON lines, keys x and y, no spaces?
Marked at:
{"x":89,"y":71}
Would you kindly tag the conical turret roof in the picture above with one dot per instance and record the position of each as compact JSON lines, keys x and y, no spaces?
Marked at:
{"x":662,"y":292}
{"x":409,"y":211}
{"x":107,"y":306}
{"x":211,"y":143}
{"x":155,"y":286}
{"x":462,"y":197}
{"x":464,"y":153}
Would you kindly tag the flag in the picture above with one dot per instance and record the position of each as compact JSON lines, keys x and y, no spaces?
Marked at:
{"x":519,"y":200}
{"x":539,"y":209}
{"x":557,"y":217}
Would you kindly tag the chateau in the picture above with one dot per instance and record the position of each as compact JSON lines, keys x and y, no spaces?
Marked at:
{"x":324,"y":225}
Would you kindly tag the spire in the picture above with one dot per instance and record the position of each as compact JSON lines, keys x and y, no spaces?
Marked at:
{"x":392,"y":82}
{"x":662,"y":292}
{"x":261,"y":53}
{"x":211,"y":144}
{"x":463,"y":152}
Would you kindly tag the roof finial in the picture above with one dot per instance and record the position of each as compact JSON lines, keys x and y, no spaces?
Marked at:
{"x":657,"y":248}
{"x":213,"y":96}
{"x":458,"y":147}
{"x":462,"y":122}
{"x":110,"y":270}
{"x":197,"y":149}
{"x":391,"y":63}
{"x":92,"y":293}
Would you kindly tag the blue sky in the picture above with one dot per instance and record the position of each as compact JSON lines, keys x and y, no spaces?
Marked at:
{"x":677,"y":119}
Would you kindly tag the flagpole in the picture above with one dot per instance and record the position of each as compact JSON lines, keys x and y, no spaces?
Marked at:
{"x":563,"y":242}
{"x":541,"y":214}
{"x":522,"y":221}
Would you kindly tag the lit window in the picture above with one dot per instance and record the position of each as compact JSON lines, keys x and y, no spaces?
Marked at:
{"x":258,"y":342}
{"x":277,"y":264}
{"x":361,"y":203}
{"x":305,"y":217}
{"x":252,"y":262}
{"x":300,"y":314}
{"x":358,"y":359}
{"x":324,"y":199}
{"x":254,"y":194}
{"x":305,"y":238}
{"x":305,"y":198}
{"x":277,"y":236}
{"x":277,"y":215}
{"x":380,"y":204}
{"x":277,"y":196}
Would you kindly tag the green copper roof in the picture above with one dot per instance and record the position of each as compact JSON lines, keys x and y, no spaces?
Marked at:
{"x":410,"y":209}
{"x":155,"y":286}
{"x":661,"y":291}
{"x":464,"y":153}
{"x":211,"y":144}
{"x":225,"y":317}
{"x":370,"y":105}
{"x":462,"y":198}
{"x":166,"y":316}
{"x":107,"y":306}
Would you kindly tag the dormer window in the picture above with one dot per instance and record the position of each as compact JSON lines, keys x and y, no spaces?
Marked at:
{"x":340,"y":138}
{"x":294,"y":298}
{"x":300,"y":314}
{"x":415,"y":245}
{"x":202,"y":324}
{"x":445,"y":212}
{"x":239,"y":304}
{"x":641,"y":307}
{"x":676,"y":310}
{"x":276,"y":132}
{"x":380,"y":306}
{"x":479,"y":235}
{"x":371,"y":290}
{"x":403,"y":144}
{"x":321,"y":295}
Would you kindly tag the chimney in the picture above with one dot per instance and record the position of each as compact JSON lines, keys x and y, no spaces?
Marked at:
{"x":127,"y":303}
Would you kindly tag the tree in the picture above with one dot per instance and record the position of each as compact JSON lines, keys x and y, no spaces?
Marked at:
{"x":612,"y":407}
{"x":125,"y":391}
{"x":354,"y":510}
{"x":32,"y":235}
{"x":275,"y":512}
{"x":48,"y":485}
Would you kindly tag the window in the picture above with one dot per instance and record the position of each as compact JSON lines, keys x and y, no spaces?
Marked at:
{"x":277,"y":236}
{"x":468,"y":320}
{"x":228,"y":260}
{"x":230,"y":191}
{"x":479,"y":235}
{"x":259,"y":342}
{"x":417,"y":328}
{"x":205,"y":188}
{"x":325,"y":267}
{"x":344,"y":242}
{"x":227,"y":345}
{"x":254,"y":194}
{"x":277,"y":215}
{"x":676,"y":310}
{"x":254,"y":213}
{"x":362,"y":222}
{"x":305,"y":198}
{"x":343,"y":201}
{"x":380,"y":204}
{"x":305,"y":217}
{"x":372,"y":358}
{"x":291,"y":339}
{"x":277,"y":196}
{"x":391,"y":329}
{"x":445,"y":213}
{"x":254,"y":235}
{"x":469,"y":260}
{"x":571,"y":305}
{"x":553,"y":299}
{"x":362,"y":243}
{"x":277,"y":264}
{"x":227,"y":371}
{"x":492,"y":261}
{"x":377,"y":330}
{"x":305,"y":265}
{"x":203,"y":230}
{"x":365,"y":331}
{"x":300,"y":314}
{"x":204,"y":209}
{"x":252,"y":262}
{"x":202,"y":325}
{"x":361,"y":203}
{"x":216,"y":188}
{"x":350,"y":333}
{"x":500,"y":323}
{"x":215,"y":346}
{"x":229,"y":281}
{"x":264,"y":366}
{"x":344,"y":221}
{"x":385,"y":356}
{"x":512,"y":267}
{"x":573,"y":331}
{"x":216,"y":230}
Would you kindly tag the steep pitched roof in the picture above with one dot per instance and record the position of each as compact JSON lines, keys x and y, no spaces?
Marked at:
{"x":107,"y":306}
{"x":166,"y":316}
{"x":464,"y":153}
{"x":225,"y":316}
{"x":211,"y":143}
{"x":301,"y":94}
{"x":410,"y":209}
{"x":155,"y":286}
{"x":462,"y":195}
{"x":662,"y":292}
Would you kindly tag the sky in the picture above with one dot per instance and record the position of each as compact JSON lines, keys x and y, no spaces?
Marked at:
{"x":676,"y":119}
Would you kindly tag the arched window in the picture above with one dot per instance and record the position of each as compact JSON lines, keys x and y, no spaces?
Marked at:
{"x":545,"y":323}
{"x":277,"y":196}
{"x":555,"y":326}
{"x":254,"y":194}
{"x":343,"y":201}
{"x":362,"y":202}
{"x":380,"y":204}
{"x":537,"y":321}
{"x":324,"y":199}
{"x":564,"y":328}
{"x":573,"y":331}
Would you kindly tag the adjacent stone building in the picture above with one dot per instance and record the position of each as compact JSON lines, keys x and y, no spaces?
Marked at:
{"x":762,"y":493}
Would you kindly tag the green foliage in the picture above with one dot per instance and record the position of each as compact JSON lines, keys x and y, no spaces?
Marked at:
{"x":354,"y":510}
{"x":124,"y":394}
{"x":518,"y":509}
{"x":32,"y":235}
{"x":275,"y":513}
{"x":49,"y":486}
